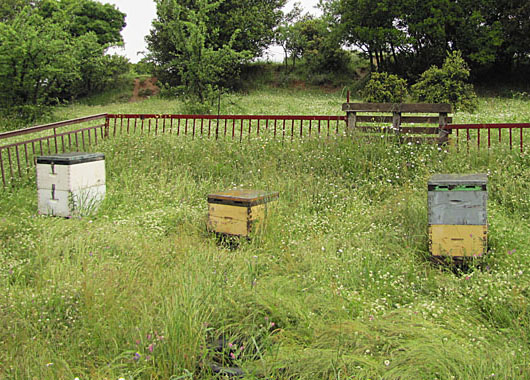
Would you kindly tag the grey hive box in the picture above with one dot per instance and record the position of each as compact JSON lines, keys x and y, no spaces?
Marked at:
{"x":70,"y":184}
{"x":458,"y":223}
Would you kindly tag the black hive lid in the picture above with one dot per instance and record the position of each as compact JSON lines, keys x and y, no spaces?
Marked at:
{"x":70,"y":158}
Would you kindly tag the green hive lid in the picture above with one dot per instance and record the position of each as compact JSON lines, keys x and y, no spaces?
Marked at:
{"x":70,"y":158}
{"x":241,"y":197}
{"x":458,"y":182}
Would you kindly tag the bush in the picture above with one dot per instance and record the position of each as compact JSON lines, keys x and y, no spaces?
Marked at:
{"x":448,"y":84}
{"x":385,"y":88}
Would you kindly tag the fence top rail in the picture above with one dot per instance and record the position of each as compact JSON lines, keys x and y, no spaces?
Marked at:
{"x":489,"y":126}
{"x":42,"y":138}
{"x":224,"y":117}
{"x":398,"y":107}
{"x":39,"y":128}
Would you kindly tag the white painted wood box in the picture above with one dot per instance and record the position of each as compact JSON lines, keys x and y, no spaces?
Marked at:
{"x":70,"y":184}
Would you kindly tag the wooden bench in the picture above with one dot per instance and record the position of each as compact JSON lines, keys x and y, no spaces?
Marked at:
{"x":396,"y":119}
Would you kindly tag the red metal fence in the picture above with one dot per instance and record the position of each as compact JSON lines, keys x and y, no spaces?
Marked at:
{"x":18,"y":154}
{"x":19,"y":149}
{"x":493,"y":134}
{"x":232,"y":126}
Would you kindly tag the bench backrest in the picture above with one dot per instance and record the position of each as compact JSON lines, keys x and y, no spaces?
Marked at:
{"x":397,"y":119}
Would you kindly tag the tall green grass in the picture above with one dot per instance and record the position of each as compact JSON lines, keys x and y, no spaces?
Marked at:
{"x":338,"y":285}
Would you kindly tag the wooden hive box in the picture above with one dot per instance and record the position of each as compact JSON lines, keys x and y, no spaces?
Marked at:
{"x":70,"y":184}
{"x":238,"y":212}
{"x":458,"y":225}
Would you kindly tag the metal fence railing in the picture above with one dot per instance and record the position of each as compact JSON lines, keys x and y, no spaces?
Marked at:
{"x":18,"y":152}
{"x":19,"y":149}
{"x":227,"y":126}
{"x":470,"y":134}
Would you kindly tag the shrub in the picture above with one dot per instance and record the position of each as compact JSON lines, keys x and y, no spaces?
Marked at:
{"x":385,"y":88}
{"x":448,"y":84}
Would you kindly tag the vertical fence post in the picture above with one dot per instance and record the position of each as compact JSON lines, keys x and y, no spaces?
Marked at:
{"x":2,"y":168}
{"x":396,"y":123}
{"x":443,"y":133}
{"x":107,"y":124}
{"x":351,"y":121}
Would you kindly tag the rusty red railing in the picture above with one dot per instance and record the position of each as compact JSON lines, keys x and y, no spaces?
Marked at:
{"x":18,"y":156}
{"x":18,"y":152}
{"x":473,"y":131}
{"x":233,"y":126}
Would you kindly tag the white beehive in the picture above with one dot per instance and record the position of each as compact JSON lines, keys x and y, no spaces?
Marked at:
{"x":71,"y":183}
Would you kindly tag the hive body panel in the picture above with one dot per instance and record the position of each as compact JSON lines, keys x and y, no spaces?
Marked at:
{"x":458,"y":240}
{"x":70,"y":184}
{"x":457,"y":207}
{"x":458,"y":219}
{"x":238,"y":212}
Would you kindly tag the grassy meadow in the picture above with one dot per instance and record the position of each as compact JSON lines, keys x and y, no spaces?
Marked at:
{"x":338,"y":285}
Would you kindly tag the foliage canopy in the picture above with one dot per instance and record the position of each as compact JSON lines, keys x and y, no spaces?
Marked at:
{"x":199,"y":45}
{"x":407,"y":36}
{"x":52,"y":51}
{"x":448,"y":84}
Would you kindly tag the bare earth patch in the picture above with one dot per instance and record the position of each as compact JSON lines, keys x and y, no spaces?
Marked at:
{"x":144,"y":89}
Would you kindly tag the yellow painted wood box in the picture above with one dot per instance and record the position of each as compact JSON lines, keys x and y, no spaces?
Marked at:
{"x":238,"y":212}
{"x":458,"y":240}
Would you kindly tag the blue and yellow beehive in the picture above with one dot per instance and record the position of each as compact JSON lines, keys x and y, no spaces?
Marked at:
{"x":458,"y":223}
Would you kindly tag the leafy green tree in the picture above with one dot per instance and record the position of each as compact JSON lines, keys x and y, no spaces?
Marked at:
{"x":385,"y":88}
{"x":408,"y":36}
{"x":43,"y":62}
{"x":36,"y":60}
{"x":86,"y":16}
{"x":514,"y":19}
{"x":288,"y":34}
{"x":105,"y":20}
{"x":198,"y":69}
{"x":318,"y":46}
{"x":448,"y":84}
{"x":238,"y":29}
{"x":370,"y":26}
{"x":10,"y":8}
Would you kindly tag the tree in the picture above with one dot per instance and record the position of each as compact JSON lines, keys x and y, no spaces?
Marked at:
{"x":385,"y":88}
{"x":192,"y":65}
{"x":10,"y":8}
{"x":448,"y":84}
{"x":252,"y":22}
{"x":320,"y":47}
{"x":48,"y":54}
{"x":105,"y":20}
{"x":407,"y":36}
{"x":514,"y":19}
{"x":36,"y":60}
{"x":370,"y":26}
{"x":86,"y":16}
{"x":288,"y":36}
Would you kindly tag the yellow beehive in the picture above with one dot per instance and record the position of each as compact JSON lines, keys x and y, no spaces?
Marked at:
{"x":458,"y":240}
{"x":238,"y":212}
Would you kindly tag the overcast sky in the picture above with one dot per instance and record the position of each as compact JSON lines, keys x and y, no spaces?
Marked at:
{"x":140,"y":13}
